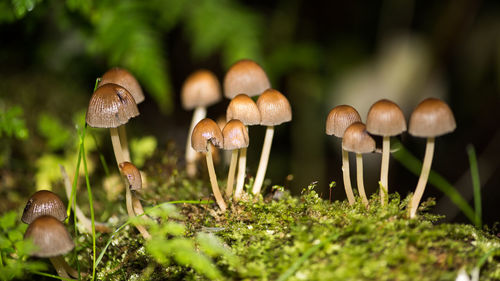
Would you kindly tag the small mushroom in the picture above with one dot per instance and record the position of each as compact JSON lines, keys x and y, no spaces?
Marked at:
{"x":245,"y":76}
{"x":111,"y":106}
{"x":385,"y":119}
{"x":430,"y":119}
{"x":134,"y":180}
{"x":204,"y":133}
{"x":337,"y":121}
{"x":200,"y":90}
{"x":52,"y":241}
{"x":235,"y":137}
{"x":44,"y":202}
{"x":125,"y":79}
{"x":274,"y":109}
{"x":356,"y":139}
{"x":243,"y":108}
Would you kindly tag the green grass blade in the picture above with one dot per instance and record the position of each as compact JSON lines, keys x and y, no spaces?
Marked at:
{"x":89,"y":192}
{"x":415,"y":166}
{"x":51,"y":276}
{"x":476,"y":185}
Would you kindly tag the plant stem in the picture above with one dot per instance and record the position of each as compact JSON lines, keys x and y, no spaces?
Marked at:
{"x":384,"y":169}
{"x":361,"y":183}
{"x":213,"y":180}
{"x":56,"y":262}
{"x":240,"y":181}
{"x":347,"y":177}
{"x":264,"y":158}
{"x":122,"y":133}
{"x":117,"y":148}
{"x":198,"y":114}
{"x":422,"y":180}
{"x":91,"y":203}
{"x":476,"y":185}
{"x":231,"y":173}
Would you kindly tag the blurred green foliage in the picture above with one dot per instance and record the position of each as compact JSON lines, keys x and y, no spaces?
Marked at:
{"x":14,"y":251}
{"x":12,"y":124}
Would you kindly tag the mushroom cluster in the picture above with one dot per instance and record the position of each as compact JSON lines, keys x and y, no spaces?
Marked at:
{"x":431,"y":118}
{"x":45,"y":213}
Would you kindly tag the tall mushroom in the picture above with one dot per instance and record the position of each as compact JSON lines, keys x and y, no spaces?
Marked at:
{"x":431,"y":118}
{"x":111,"y":106}
{"x":125,"y":79}
{"x":243,"y":108}
{"x":200,"y":90}
{"x":356,"y":139}
{"x":247,"y":77}
{"x":235,"y":137}
{"x":44,"y":203}
{"x":204,"y":133}
{"x":337,"y":121}
{"x":274,"y":109}
{"x":52,"y":241}
{"x":385,"y":119}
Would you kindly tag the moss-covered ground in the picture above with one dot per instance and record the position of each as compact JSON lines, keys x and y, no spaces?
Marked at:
{"x":283,"y":237}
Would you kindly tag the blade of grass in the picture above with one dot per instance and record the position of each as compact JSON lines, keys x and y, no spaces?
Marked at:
{"x":476,"y":185}
{"x":51,"y":276}
{"x":89,"y":192}
{"x":129,"y":221}
{"x":403,"y":156}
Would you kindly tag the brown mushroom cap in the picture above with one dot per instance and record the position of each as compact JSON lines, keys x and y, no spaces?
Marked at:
{"x":274,"y":108}
{"x":431,"y":118}
{"x":125,"y":79}
{"x":339,"y":118}
{"x":356,"y":139}
{"x":235,"y":135}
{"x":243,"y":108}
{"x":245,"y":76}
{"x":201,"y":88}
{"x":206,"y":131}
{"x":110,"y":106}
{"x":50,"y":236}
{"x":42,"y":203}
{"x":385,"y":118}
{"x":132,"y":174}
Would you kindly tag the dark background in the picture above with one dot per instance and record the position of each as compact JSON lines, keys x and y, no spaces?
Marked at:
{"x":318,"y":53}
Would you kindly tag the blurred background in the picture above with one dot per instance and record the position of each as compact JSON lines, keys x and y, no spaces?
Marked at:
{"x":318,"y":53}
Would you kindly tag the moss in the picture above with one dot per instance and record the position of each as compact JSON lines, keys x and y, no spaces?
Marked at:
{"x":307,"y":238}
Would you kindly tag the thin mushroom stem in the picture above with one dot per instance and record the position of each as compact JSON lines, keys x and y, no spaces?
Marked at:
{"x":138,"y":209}
{"x":117,"y":148}
{"x":57,"y":262}
{"x":359,"y":174}
{"x":86,"y":222}
{"x":264,"y":159}
{"x":422,"y":180}
{"x":347,"y":178}
{"x":231,"y":173}
{"x":384,"y":169}
{"x":198,"y":114}
{"x":213,"y":180}
{"x":131,"y":214}
{"x":122,"y":133}
{"x":240,"y":180}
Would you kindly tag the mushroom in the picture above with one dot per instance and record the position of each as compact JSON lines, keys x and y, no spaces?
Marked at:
{"x":356,"y":139}
{"x":200,"y":90}
{"x":235,"y":137}
{"x":125,"y":79}
{"x":52,"y":241}
{"x":245,"y":76}
{"x":204,"y":133}
{"x":134,"y":180}
{"x":337,"y":121}
{"x":111,"y":106}
{"x":385,"y":119}
{"x":431,"y":118}
{"x":41,"y":203}
{"x":243,"y":108}
{"x":274,"y":109}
